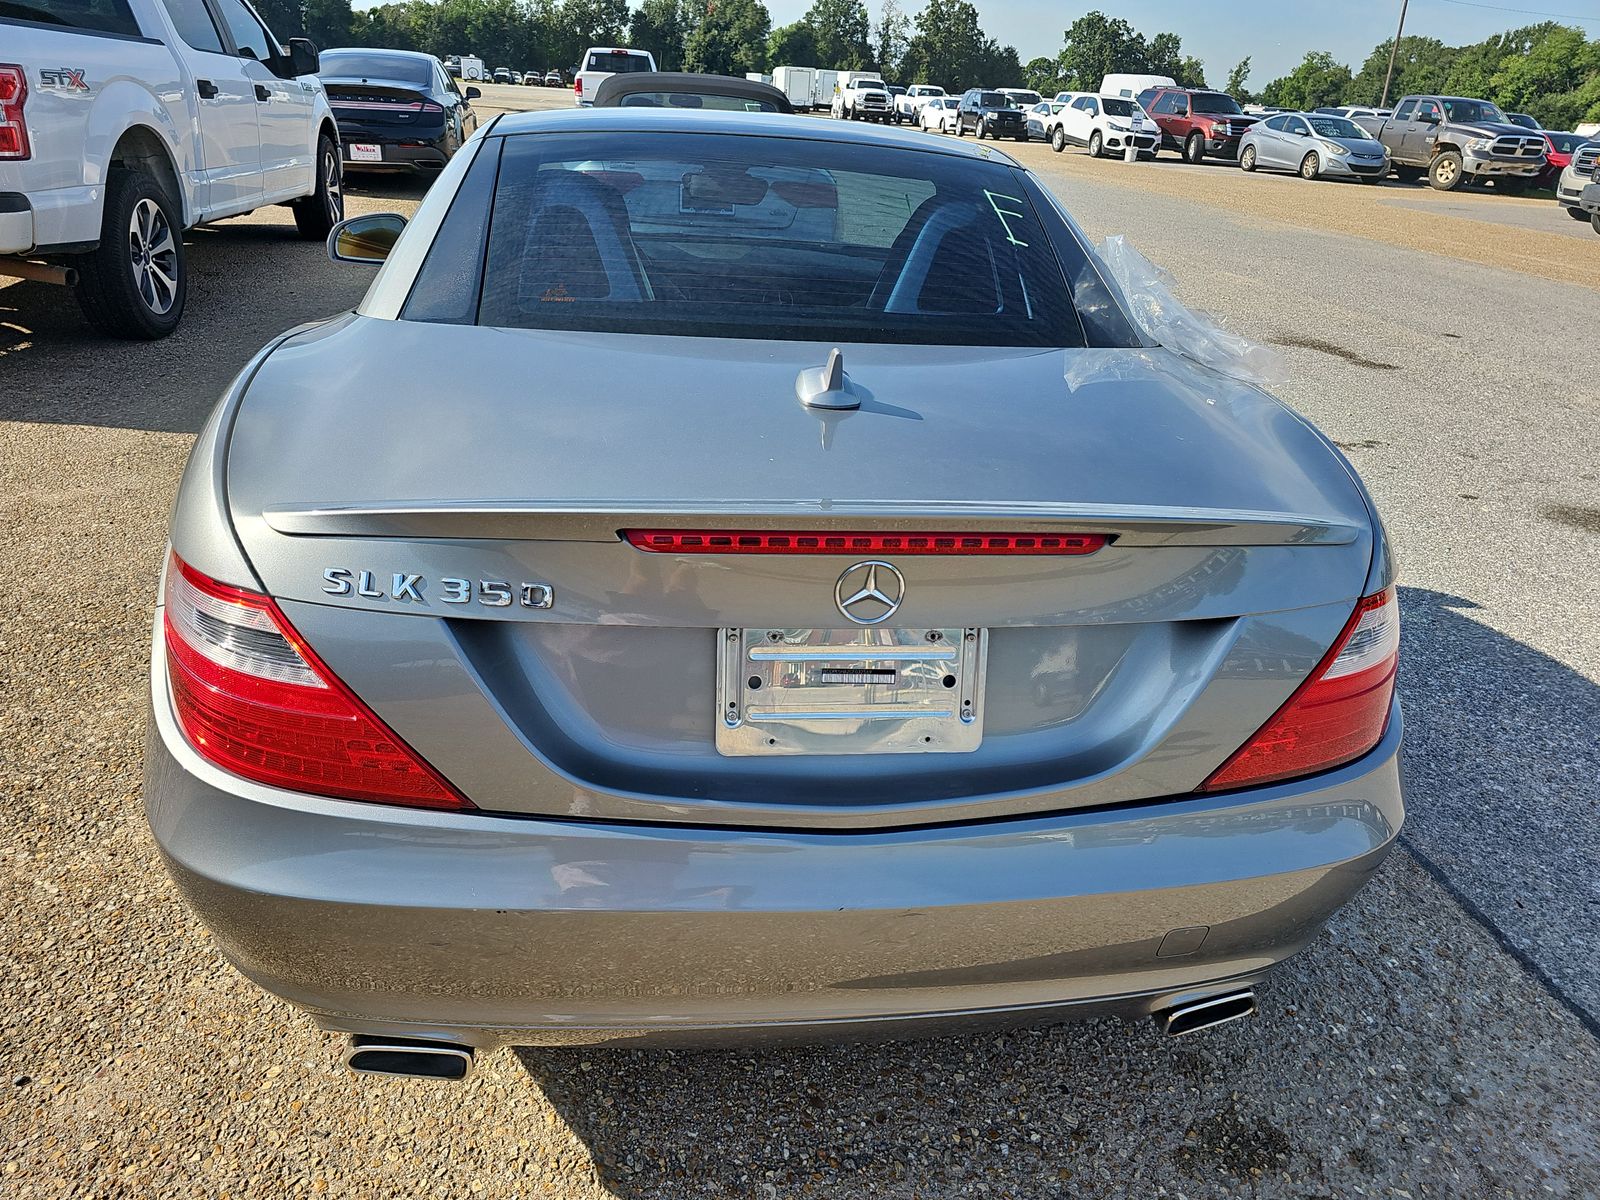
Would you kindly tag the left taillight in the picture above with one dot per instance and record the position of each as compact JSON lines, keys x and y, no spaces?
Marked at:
{"x":13,"y":129}
{"x":1336,"y":715}
{"x":254,"y":699}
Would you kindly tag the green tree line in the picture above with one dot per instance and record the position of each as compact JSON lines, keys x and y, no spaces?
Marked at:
{"x":945,"y":43}
{"x":1549,"y":70}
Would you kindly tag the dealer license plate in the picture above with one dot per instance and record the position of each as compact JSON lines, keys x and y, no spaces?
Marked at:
{"x":365,"y":152}
{"x":850,"y":691}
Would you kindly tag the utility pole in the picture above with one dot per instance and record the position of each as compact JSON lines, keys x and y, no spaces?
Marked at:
{"x":1393,"y":50}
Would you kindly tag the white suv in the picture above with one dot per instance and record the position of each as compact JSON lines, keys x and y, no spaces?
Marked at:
{"x":126,"y":122}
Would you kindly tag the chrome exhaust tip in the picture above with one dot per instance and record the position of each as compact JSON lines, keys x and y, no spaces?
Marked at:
{"x":414,"y":1058}
{"x":1207,"y":1013}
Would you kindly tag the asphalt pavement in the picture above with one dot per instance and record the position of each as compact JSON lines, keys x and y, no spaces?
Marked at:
{"x":1441,"y":1039}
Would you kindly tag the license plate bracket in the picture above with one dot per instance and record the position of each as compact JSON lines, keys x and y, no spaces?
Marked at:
{"x":850,"y":691}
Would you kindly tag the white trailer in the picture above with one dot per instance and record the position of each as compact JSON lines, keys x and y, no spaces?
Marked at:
{"x":799,"y":84}
{"x":472,"y":67}
{"x":825,"y":87}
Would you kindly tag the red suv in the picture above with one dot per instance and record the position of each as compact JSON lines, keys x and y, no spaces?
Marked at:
{"x":1197,"y":122}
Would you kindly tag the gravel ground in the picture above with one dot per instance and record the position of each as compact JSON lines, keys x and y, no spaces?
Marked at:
{"x":1440,"y":1040}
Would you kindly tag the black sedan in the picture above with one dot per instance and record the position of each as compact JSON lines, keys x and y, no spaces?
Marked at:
{"x":397,"y":110}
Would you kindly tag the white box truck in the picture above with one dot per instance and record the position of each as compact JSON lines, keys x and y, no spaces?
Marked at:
{"x":799,"y":84}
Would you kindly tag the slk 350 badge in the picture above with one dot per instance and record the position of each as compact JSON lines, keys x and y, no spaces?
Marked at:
{"x":416,"y":589}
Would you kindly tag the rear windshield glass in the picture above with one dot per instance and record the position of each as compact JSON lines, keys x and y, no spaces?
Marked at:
{"x":1024,"y":98}
{"x":1215,"y":102}
{"x":710,"y":100}
{"x":994,"y":100}
{"x":104,"y":16}
{"x":1115,"y":106}
{"x":755,"y":237}
{"x":617,"y":61}
{"x":400,"y":68}
{"x":1565,"y":143}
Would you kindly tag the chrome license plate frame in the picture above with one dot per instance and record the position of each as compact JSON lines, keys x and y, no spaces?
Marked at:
{"x":850,"y":691}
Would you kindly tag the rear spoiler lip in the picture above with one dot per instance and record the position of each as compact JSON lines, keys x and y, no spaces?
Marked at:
{"x":585,"y":521}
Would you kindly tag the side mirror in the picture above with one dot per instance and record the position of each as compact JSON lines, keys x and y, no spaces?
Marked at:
{"x":303,"y":57}
{"x":366,"y":240}
{"x":473,"y":93}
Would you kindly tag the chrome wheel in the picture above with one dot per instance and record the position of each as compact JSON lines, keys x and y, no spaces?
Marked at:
{"x":153,"y":251}
{"x":1309,"y":166}
{"x":333,"y":185}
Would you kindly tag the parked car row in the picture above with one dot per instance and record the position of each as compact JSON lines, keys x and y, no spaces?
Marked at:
{"x":1452,"y":141}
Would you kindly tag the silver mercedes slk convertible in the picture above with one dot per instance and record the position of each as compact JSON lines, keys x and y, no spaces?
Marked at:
{"x":738,"y":576}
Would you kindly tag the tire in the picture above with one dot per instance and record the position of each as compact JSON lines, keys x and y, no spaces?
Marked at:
{"x":1577,"y":214}
{"x":1247,"y":159}
{"x":982,"y":130}
{"x":133,"y":285}
{"x":1194,"y":149}
{"x":1097,"y":144}
{"x":1310,"y":166}
{"x":1024,"y":136}
{"x":1594,"y":222}
{"x":1058,"y":140}
{"x":319,"y":212}
{"x":1445,"y":173}
{"x":961,"y":130}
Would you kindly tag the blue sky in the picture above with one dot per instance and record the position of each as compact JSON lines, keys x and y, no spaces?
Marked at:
{"x":1276,"y":36}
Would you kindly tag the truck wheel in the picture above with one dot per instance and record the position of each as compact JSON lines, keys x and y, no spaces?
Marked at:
{"x":1194,"y":150}
{"x":1097,"y":144}
{"x":134,"y":283}
{"x":319,"y":212}
{"x":1058,"y":140}
{"x":1445,"y":173}
{"x":1577,"y":214}
{"x":1310,"y":166}
{"x":1594,"y":222}
{"x":1247,"y":160}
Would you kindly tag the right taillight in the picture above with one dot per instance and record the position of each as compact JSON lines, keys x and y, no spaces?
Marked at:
{"x":252,"y":697}
{"x":1336,"y":715}
{"x":13,"y":129}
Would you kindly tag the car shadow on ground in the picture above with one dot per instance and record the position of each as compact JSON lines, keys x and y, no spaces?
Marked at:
{"x":388,"y":185}
{"x":248,"y":281}
{"x":1073,"y":1109}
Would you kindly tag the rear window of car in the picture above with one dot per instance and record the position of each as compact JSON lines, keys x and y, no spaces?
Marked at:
{"x":103,"y":16}
{"x":416,"y":71}
{"x":994,"y":100}
{"x":617,"y":61}
{"x":708,"y":100}
{"x":712,"y":235}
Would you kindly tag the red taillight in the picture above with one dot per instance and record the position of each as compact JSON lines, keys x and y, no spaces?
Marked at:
{"x":13,"y":129}
{"x":253,"y":698}
{"x":1336,"y":715}
{"x":759,"y":541}
{"x":577,"y":86}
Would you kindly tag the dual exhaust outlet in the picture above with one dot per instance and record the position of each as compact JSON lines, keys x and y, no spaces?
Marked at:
{"x":420,"y":1058}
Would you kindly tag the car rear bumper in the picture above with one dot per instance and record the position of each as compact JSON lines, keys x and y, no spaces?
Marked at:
{"x":496,"y":930}
{"x":399,"y":154}
{"x":16,"y":223}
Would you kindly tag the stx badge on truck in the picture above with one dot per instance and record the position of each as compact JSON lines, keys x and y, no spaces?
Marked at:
{"x":63,"y":79}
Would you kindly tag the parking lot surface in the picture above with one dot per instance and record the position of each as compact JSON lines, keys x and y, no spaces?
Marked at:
{"x":1441,"y":1039}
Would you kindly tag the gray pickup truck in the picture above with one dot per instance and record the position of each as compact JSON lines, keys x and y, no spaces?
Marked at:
{"x":1454,"y":140}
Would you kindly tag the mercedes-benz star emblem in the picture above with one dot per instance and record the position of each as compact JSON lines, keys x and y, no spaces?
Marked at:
{"x":870,"y":592}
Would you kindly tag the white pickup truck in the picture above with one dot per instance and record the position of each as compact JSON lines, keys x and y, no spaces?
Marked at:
{"x":124,"y":123}
{"x":600,"y":63}
{"x":907,"y":106}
